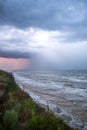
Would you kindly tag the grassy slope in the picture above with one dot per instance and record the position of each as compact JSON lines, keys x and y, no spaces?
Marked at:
{"x":19,"y":112}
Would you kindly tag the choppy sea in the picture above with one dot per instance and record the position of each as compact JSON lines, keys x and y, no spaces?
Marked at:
{"x":65,"y":92}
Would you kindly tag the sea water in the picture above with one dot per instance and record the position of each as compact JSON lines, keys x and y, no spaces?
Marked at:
{"x":65,"y":92}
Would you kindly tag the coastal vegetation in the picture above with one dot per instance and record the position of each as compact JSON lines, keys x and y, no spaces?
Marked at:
{"x":18,"y":111}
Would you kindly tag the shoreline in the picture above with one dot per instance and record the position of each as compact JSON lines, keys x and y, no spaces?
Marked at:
{"x":57,"y":110}
{"x":48,"y":106}
{"x":61,"y":113}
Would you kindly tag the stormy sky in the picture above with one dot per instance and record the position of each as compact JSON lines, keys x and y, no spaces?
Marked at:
{"x":43,"y":34}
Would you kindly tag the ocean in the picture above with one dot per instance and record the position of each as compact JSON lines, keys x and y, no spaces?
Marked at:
{"x":64,"y":92}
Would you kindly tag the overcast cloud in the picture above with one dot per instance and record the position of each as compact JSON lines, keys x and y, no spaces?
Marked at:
{"x":49,"y":32}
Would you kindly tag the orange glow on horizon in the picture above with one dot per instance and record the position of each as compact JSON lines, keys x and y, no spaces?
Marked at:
{"x":14,"y":64}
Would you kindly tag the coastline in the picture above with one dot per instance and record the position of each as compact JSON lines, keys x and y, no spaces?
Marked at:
{"x":68,"y":100}
{"x":21,"y":107}
{"x":65,"y":117}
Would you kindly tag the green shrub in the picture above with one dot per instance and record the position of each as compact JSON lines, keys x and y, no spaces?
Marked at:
{"x":28,"y":104}
{"x":36,"y":123}
{"x":44,"y":122}
{"x":11,"y":84}
{"x":10,"y":120}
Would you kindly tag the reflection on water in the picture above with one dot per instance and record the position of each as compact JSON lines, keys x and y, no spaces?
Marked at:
{"x":64,"y":91}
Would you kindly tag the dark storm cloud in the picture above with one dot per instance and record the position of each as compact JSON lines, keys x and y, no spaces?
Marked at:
{"x":14,"y":54}
{"x":54,"y":15}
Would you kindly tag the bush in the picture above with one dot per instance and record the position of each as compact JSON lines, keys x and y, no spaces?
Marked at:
{"x":44,"y":122}
{"x":10,"y":120}
{"x":28,"y":104}
{"x":11,"y":83}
